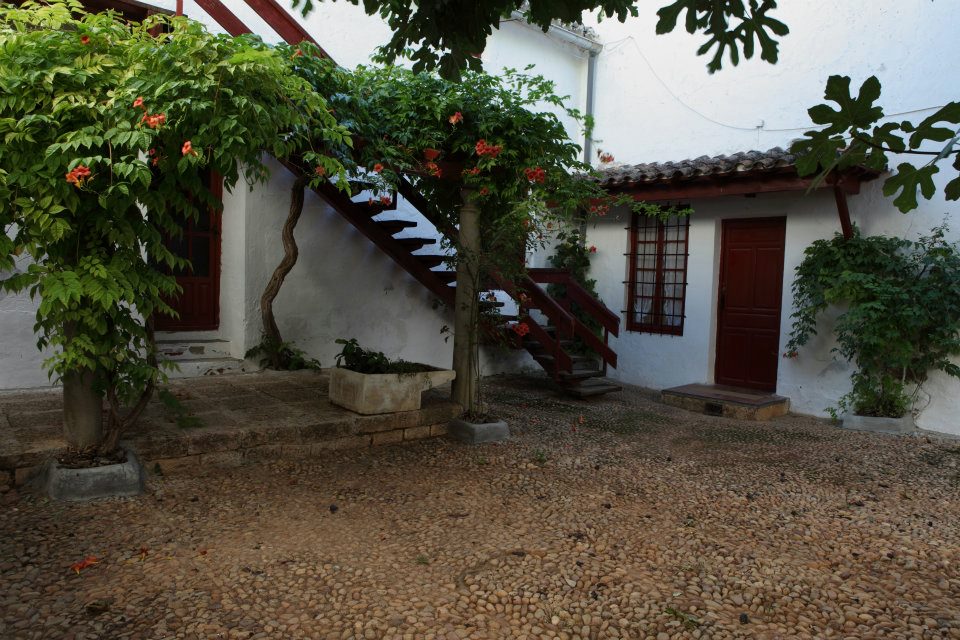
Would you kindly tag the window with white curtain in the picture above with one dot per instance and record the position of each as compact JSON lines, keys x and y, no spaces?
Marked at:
{"x":657,"y":285}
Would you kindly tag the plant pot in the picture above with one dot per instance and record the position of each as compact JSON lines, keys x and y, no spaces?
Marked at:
{"x":113,"y":480}
{"x":478,"y":432}
{"x":874,"y":424}
{"x":374,"y":393}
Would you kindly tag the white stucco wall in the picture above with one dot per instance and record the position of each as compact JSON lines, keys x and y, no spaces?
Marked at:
{"x":817,"y":378}
{"x":656,"y":102}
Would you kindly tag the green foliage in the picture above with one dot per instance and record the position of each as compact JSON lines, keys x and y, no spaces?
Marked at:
{"x":354,"y":357}
{"x":107,"y":133}
{"x":852,"y":135}
{"x":573,"y":256}
{"x":752,"y":23}
{"x":283,"y":355}
{"x":899,"y":315}
{"x":181,"y":415}
{"x":449,"y":35}
{"x":492,"y":135}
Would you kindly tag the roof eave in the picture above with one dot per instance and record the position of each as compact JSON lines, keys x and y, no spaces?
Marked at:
{"x":784,"y":179}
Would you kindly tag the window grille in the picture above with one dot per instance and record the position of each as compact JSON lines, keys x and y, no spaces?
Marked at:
{"x":657,"y":285}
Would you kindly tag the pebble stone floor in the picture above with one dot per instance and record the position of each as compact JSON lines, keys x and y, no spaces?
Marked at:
{"x":620,"y":518}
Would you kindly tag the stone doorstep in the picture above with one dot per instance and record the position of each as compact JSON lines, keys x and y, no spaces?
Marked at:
{"x":775,"y":407}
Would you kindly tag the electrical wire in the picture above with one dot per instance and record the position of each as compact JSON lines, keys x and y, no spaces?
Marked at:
{"x":614,"y":46}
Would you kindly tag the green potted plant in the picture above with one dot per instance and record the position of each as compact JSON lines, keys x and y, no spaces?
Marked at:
{"x":898,"y":318}
{"x":367,"y":382}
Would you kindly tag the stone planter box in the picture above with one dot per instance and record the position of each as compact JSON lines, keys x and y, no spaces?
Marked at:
{"x":878,"y":425}
{"x":112,"y":480}
{"x":478,"y":433}
{"x":373,"y":393}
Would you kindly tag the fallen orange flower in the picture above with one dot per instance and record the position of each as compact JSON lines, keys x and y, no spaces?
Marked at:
{"x":89,"y":561}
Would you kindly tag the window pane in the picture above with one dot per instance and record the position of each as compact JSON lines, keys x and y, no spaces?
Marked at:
{"x":658,"y":281}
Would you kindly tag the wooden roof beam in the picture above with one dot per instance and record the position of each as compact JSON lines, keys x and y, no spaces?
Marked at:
{"x":224,"y":17}
{"x":714,"y":187}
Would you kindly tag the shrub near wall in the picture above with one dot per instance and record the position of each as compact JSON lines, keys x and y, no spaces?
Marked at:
{"x":901,"y":316}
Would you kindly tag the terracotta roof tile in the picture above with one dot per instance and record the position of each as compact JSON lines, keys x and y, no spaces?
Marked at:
{"x":746,"y":162}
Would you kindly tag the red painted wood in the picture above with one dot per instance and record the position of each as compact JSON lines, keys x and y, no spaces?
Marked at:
{"x":130,"y":9}
{"x":716,"y":187}
{"x":224,"y":17}
{"x":198,"y":305}
{"x":751,"y":288}
{"x":283,"y":23}
{"x":846,"y":226}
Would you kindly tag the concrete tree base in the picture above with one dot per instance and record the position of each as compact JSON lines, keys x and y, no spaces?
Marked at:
{"x":112,"y":480}
{"x":374,"y":393}
{"x":478,"y":433}
{"x":878,"y":425}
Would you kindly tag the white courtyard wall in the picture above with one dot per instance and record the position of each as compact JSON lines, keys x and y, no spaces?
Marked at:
{"x":657,"y":102}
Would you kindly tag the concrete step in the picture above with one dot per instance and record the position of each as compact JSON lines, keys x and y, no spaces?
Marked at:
{"x":730,"y":402}
{"x":198,"y":367}
{"x":193,"y":349}
{"x":592,"y":387}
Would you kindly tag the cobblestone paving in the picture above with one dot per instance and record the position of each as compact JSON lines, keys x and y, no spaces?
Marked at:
{"x":621,"y":518}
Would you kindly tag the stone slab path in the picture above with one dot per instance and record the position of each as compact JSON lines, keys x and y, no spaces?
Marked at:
{"x":229,"y":418}
{"x":621,"y":518}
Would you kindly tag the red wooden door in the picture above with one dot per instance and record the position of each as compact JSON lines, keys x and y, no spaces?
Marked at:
{"x":751,"y":285}
{"x":198,"y":305}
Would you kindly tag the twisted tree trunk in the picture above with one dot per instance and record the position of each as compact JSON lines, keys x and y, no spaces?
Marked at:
{"x":117,"y":422}
{"x":271,"y":333}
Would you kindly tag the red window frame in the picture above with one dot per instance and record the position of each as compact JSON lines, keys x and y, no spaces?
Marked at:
{"x":666,"y":308}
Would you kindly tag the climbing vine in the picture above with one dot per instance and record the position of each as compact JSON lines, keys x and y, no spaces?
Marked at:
{"x":899,"y":313}
{"x":108,"y":130}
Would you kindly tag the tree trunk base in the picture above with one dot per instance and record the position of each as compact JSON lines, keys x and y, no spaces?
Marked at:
{"x":82,"y":410}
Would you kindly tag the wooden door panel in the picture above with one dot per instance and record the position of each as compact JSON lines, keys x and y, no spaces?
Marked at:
{"x":751,"y":288}
{"x":769,"y":279}
{"x":198,"y":305}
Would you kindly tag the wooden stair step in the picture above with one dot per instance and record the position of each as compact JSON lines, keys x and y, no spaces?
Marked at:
{"x":431,"y":260}
{"x":367,"y":209}
{"x":394,"y":227}
{"x":446,"y":276}
{"x":412,"y":244}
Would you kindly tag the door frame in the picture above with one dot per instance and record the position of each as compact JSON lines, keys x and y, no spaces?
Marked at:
{"x":216,"y":231}
{"x":720,"y":275}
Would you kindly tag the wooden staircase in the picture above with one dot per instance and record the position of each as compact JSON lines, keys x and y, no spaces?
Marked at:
{"x":549,"y":340}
